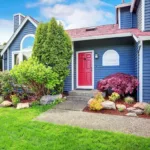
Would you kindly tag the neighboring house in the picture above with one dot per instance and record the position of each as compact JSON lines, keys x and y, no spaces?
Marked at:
{"x":97,"y":51}
{"x":1,"y":48}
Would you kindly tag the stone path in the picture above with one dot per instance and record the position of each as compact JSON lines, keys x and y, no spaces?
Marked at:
{"x":70,"y":113}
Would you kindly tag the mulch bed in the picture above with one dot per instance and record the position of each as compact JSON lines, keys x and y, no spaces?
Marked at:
{"x":115,"y":112}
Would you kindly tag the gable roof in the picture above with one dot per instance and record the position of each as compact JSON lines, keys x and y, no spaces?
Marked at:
{"x":27,"y":18}
{"x":105,"y":31}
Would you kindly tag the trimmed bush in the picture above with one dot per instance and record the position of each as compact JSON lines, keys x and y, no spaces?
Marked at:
{"x":120,"y":83}
{"x":15,"y":99}
{"x":35,"y":76}
{"x":114,"y":96}
{"x":129,"y":100}
{"x":147,"y":109}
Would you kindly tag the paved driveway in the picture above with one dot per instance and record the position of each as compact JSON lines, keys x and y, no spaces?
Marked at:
{"x":58,"y":115}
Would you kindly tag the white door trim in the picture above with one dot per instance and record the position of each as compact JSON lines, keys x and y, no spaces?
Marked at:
{"x":85,"y":87}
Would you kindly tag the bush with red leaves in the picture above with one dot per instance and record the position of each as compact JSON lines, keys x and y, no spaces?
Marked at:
{"x":120,"y":83}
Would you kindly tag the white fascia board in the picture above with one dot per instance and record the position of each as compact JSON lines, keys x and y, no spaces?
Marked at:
{"x":16,"y":33}
{"x":123,"y":5}
{"x":144,"y":38}
{"x":103,"y":37}
{"x":135,"y":38}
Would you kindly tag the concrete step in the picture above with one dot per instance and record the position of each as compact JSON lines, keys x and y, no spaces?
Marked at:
{"x":72,"y":105}
{"x":78,"y":98}
{"x":87,"y":93}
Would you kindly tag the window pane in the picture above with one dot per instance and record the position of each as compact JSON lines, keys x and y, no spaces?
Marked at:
{"x":16,"y":59}
{"x":26,"y":55}
{"x":28,"y":43}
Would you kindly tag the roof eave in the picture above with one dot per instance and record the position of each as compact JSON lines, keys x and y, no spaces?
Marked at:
{"x":102,"y":37}
{"x":132,"y":5}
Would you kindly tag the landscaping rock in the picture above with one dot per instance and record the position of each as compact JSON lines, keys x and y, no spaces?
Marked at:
{"x":108,"y":105}
{"x":6,"y":104}
{"x":120,"y":106}
{"x":23,"y":105}
{"x":130,"y":109}
{"x":140,"y":105}
{"x":1,"y":105}
{"x":47,"y":99}
{"x":134,"y":110}
{"x":131,"y":114}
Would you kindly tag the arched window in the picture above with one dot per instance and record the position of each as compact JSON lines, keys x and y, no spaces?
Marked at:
{"x":110,"y":58}
{"x":25,"y":52}
{"x":27,"y":42}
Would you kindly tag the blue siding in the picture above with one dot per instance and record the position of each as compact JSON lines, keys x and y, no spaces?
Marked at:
{"x":5,"y":60}
{"x":147,"y":15}
{"x":139,"y":15}
{"x":28,"y":28}
{"x":146,"y":71}
{"x":68,"y":81}
{"x":125,"y":48}
{"x":128,"y":19}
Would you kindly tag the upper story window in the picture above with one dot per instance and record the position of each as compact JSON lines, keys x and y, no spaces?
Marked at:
{"x":111,"y":58}
{"x":27,"y":42}
{"x":25,"y":52}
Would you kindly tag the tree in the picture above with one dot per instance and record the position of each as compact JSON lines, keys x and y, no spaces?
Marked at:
{"x":56,"y":50}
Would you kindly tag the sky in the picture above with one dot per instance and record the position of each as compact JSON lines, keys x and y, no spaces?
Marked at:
{"x":72,"y":13}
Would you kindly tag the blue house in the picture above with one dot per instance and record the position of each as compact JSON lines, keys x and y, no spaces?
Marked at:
{"x":97,"y":51}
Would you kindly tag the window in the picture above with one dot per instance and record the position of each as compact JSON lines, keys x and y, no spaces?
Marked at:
{"x":25,"y":50}
{"x":110,"y":58}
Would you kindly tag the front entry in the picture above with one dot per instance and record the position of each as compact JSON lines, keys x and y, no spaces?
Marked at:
{"x":85,"y":70}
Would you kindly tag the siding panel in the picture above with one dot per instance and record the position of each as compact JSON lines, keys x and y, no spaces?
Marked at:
{"x":146,"y":72}
{"x":147,"y":15}
{"x":139,"y":16}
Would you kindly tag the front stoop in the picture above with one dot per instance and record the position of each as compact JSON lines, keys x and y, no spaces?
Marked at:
{"x":77,"y":100}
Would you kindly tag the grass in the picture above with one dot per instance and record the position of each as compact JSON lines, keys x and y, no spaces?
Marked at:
{"x":18,"y":131}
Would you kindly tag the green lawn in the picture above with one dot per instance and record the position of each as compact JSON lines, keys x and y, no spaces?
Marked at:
{"x":19,"y":132}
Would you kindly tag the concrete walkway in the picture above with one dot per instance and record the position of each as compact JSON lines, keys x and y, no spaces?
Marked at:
{"x":136,"y":126}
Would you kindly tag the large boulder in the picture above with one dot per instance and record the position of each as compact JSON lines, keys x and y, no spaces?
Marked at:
{"x":47,"y":99}
{"x":108,"y":105}
{"x":140,"y":105}
{"x":6,"y":104}
{"x":23,"y":105}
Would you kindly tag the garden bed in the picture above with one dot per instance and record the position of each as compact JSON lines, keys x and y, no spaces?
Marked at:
{"x":115,"y":112}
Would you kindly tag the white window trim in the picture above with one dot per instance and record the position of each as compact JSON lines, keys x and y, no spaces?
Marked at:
{"x":103,"y":61}
{"x":72,"y":69}
{"x":141,"y":73}
{"x":85,"y":87}
{"x":28,"y":35}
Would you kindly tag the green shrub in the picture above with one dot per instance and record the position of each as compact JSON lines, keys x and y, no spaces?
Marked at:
{"x":6,"y":83}
{"x":35,"y":76}
{"x":147,"y":109}
{"x":114,"y":96}
{"x":53,"y":47}
{"x":129,"y":100}
{"x":15,"y":99}
{"x":35,"y":103}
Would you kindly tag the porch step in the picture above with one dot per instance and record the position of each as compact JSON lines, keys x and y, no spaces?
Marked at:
{"x":78,"y":98}
{"x":83,"y":93}
{"x":76,"y":105}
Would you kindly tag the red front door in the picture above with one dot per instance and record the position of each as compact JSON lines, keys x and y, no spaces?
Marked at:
{"x":85,"y":69}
